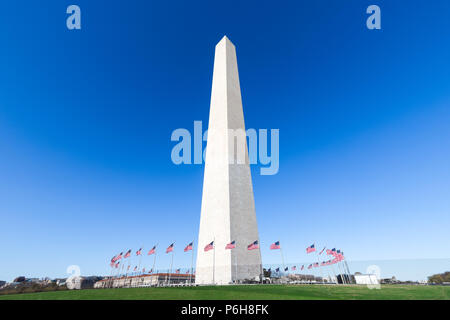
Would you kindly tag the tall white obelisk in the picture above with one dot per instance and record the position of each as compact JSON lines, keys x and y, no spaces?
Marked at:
{"x":228,"y":207}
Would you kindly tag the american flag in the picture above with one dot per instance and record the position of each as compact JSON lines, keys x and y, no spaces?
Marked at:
{"x":151,"y":271}
{"x":143,"y":270}
{"x":333,"y":253}
{"x":117,"y":264}
{"x":210,"y":246}
{"x":152,"y":250}
{"x":275,"y":245}
{"x":188,"y":247}
{"x":293,"y":268}
{"x":269,"y":270}
{"x":310,"y":249}
{"x":231,"y":245}
{"x":322,"y":250}
{"x":128,"y":268}
{"x":115,"y":258}
{"x":286,"y":269}
{"x":253,"y":245}
{"x":187,"y":272}
{"x":277,"y":270}
{"x":135,"y":268}
{"x":310,"y":266}
{"x":138,"y":253}
{"x":177,"y":271}
{"x":328,"y":251}
{"x":303,"y":267}
{"x":127,"y":254}
{"x":316,"y":265}
{"x":170,"y":248}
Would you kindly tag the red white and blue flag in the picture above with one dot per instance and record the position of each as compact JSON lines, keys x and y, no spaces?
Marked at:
{"x":188,"y":247}
{"x":293,"y":268}
{"x":210,"y":246}
{"x":322,"y":250}
{"x":275,"y":245}
{"x":310,"y":266}
{"x":177,"y":271}
{"x":152,"y":250}
{"x":117,"y":264}
{"x":310,"y":249}
{"x":253,"y":245}
{"x":116,"y":258}
{"x":170,"y":248}
{"x":316,"y":265}
{"x":303,"y":267}
{"x":138,"y":253}
{"x":127,"y":254}
{"x":231,"y":245}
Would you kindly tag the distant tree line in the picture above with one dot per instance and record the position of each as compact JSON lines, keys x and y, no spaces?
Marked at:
{"x":440,"y":278}
{"x":31,"y":287}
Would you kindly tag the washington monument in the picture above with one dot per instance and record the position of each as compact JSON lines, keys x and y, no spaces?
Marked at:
{"x":228,"y":206}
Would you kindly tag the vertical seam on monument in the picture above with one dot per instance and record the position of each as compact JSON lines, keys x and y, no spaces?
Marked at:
{"x":228,"y":137}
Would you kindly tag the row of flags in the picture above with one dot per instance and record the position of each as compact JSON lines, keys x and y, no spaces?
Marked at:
{"x":337,"y":254}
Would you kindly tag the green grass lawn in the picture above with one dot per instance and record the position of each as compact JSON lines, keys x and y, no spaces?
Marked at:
{"x":252,"y":292}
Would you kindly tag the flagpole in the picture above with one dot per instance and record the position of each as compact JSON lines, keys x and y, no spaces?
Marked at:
{"x":192,"y":263}
{"x":347,"y":277}
{"x":282,"y":258}
{"x":111,"y":274}
{"x":332,"y":268}
{"x":154,"y":259}
{"x":327,"y":265}
{"x":171,"y":264}
{"x":140,"y":259}
{"x":348,"y":270}
{"x":118,"y":271}
{"x":235,"y":262}
{"x":261,"y":275}
{"x":214,"y":259}
{"x":340,"y":271}
{"x":320,"y":270}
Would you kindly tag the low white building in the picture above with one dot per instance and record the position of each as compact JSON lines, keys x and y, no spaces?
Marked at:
{"x":147,"y":280}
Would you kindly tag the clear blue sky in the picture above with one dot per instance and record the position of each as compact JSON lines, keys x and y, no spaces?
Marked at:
{"x":86,"y":118}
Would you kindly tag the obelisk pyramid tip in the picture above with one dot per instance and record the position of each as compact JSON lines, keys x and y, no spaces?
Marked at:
{"x":225,"y":40}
